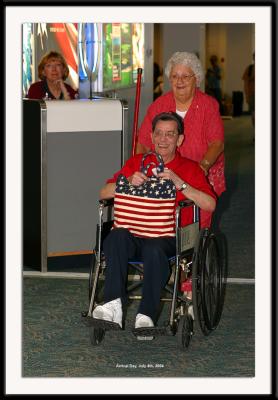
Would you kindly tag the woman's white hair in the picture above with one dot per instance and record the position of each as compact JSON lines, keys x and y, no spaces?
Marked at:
{"x":189,"y":60}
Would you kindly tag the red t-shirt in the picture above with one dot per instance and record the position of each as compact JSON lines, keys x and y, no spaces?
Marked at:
{"x":38,"y":91}
{"x":187,"y":170}
{"x":202,"y":125}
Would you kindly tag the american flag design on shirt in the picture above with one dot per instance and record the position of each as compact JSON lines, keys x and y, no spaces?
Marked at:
{"x":147,"y":210}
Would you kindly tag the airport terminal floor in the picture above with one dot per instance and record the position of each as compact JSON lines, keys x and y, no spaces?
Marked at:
{"x":56,"y":343}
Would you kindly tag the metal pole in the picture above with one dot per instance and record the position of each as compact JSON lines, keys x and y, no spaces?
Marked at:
{"x":136,"y":110}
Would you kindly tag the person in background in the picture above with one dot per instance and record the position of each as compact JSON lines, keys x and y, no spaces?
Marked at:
{"x":203,"y":127}
{"x":157,"y":81}
{"x":121,"y":245}
{"x":52,"y":71}
{"x":213,"y":81}
{"x":249,"y":88}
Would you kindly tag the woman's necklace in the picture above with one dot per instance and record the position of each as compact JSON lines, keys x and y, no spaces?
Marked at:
{"x":183,"y":106}
{"x":56,"y":92}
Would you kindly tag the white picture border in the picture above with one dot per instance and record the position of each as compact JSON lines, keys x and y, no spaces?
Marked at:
{"x":15,"y":17}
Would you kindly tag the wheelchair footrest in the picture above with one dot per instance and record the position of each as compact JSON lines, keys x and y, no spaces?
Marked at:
{"x":153,"y":331}
{"x":100,"y":323}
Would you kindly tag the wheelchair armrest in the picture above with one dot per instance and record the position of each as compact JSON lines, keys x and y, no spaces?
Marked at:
{"x":186,"y":203}
{"x":106,"y":202}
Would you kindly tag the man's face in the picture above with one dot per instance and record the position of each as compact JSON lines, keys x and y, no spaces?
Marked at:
{"x":166,"y":139}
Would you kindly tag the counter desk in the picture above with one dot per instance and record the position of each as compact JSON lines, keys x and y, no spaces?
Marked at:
{"x":70,"y":148}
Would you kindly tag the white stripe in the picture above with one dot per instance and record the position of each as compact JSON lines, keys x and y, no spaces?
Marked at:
{"x":241,"y":280}
{"x":70,"y":275}
{"x":147,"y":217}
{"x":132,"y":196}
{"x":85,"y":275}
{"x":238,"y":281}
{"x":144,"y":222}
{"x":166,"y":202}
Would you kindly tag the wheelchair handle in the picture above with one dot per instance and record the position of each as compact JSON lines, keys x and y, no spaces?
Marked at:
{"x":186,"y":203}
{"x":189,"y":203}
{"x":106,"y":202}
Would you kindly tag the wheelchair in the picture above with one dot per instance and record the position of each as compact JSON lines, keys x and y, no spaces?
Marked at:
{"x":198,"y":268}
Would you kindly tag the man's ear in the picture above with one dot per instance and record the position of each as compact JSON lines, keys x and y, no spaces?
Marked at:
{"x":180,"y":140}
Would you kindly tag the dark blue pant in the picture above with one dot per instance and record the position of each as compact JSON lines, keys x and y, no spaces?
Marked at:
{"x":121,"y":246}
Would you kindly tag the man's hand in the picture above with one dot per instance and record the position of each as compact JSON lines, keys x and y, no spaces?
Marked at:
{"x":169,"y":174}
{"x":137,"y":179}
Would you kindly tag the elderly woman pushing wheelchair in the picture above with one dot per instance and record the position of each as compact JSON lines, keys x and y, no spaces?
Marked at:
{"x":154,"y":248}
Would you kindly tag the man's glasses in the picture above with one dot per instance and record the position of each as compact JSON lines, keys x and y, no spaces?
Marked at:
{"x":166,"y":134}
{"x":183,"y":78}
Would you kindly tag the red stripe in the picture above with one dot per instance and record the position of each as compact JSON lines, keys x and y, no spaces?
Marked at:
{"x":138,"y":213}
{"x":145,"y":221}
{"x":149,"y":237}
{"x":135,"y":215}
{"x":142,"y":199}
{"x":150,"y":228}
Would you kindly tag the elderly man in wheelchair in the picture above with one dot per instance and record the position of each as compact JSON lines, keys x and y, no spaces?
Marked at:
{"x":172,"y":190}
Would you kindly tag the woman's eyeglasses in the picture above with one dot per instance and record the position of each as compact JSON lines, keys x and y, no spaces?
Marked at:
{"x":183,"y":78}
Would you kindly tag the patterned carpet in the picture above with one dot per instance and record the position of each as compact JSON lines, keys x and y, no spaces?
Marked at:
{"x":56,"y":343}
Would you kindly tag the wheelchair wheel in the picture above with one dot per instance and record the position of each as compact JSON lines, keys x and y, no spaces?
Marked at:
{"x":185,"y":331}
{"x":96,"y":335}
{"x":207,"y":282}
{"x":222,"y":245}
{"x":100,"y":288}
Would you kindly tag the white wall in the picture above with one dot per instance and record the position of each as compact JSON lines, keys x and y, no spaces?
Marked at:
{"x":234,"y":46}
{"x":182,"y":37}
{"x":240,"y":40}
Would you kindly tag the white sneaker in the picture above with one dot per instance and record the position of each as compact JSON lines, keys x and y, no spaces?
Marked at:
{"x":111,"y":311}
{"x":143,"y":321}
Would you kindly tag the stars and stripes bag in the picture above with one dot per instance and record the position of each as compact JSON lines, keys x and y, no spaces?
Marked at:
{"x":147,"y":210}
